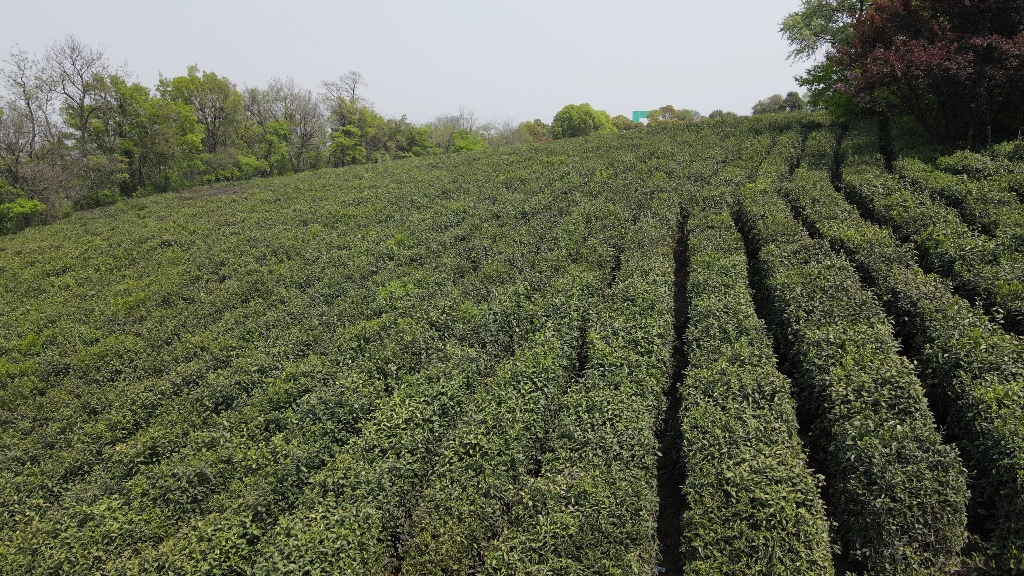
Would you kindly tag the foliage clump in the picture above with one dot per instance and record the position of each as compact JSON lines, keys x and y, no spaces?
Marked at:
{"x":576,"y":120}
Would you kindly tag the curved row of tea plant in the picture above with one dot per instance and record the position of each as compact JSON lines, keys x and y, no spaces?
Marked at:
{"x":403,"y":340}
{"x":592,"y":484}
{"x":972,"y":370}
{"x":411,"y":296}
{"x":982,"y":204}
{"x":460,"y":365}
{"x":601,"y":492}
{"x":979,"y":268}
{"x":752,"y":503}
{"x":999,"y":161}
{"x":896,"y":493}
{"x":590,"y":503}
{"x":362,"y":513}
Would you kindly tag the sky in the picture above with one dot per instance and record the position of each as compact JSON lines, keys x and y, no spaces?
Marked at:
{"x":503,"y":59}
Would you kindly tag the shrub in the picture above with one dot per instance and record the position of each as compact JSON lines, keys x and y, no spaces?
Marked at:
{"x":752,"y":503}
{"x":978,"y":266}
{"x":19,"y":214}
{"x":898,"y":494}
{"x":985,"y":205}
{"x":973,"y":371}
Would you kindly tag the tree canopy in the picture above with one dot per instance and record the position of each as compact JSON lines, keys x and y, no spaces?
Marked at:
{"x":956,"y":68}
{"x":668,"y":113}
{"x":777,"y":103}
{"x":76,"y":132}
{"x":580,"y":120}
{"x":623,"y":124}
{"x":821,"y":25}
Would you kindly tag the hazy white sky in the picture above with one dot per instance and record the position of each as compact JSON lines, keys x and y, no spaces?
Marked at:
{"x":522,"y":59}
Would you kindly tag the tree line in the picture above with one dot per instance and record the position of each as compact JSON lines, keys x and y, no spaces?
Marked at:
{"x":77,"y":132}
{"x":582,"y":119}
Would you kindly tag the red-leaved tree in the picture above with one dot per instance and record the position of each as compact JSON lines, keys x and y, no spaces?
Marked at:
{"x":957,"y":66}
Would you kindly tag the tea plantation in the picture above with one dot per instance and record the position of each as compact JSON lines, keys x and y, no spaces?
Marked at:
{"x":741,"y":346}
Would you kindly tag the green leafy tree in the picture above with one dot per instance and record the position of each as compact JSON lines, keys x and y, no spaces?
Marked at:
{"x":380,"y":138}
{"x":823,"y":81}
{"x":416,"y":141}
{"x":537,"y":130}
{"x":168,"y":139}
{"x":293,"y":128}
{"x":722,"y":115}
{"x":777,"y":103}
{"x":819,"y":29}
{"x":773,"y":104}
{"x":271,"y":147}
{"x":377,"y":137}
{"x":216,"y":101}
{"x":266,"y":136}
{"x":465,"y":141}
{"x":443,"y":128}
{"x":406,"y":140}
{"x":668,"y":113}
{"x":16,"y":211}
{"x":794,"y":102}
{"x":623,"y":124}
{"x":580,"y":120}
{"x":345,"y":149}
{"x":821,"y":25}
{"x":159,"y":142}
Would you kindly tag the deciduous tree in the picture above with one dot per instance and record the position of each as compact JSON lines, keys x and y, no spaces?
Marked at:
{"x":721,"y":115}
{"x":668,"y":113}
{"x":777,"y":103}
{"x":76,"y":71}
{"x":537,"y":130}
{"x":349,"y":87}
{"x":216,"y":101}
{"x":957,"y":67}
{"x":580,"y":120}
{"x":623,"y":124}
{"x":821,"y":25}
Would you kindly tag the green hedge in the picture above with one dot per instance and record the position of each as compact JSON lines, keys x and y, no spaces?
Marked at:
{"x":820,"y":149}
{"x":752,"y":503}
{"x":489,"y":454}
{"x":860,"y":146}
{"x":598,"y":489}
{"x":251,"y":354}
{"x":975,"y":166}
{"x":19,"y":214}
{"x":896,"y":493}
{"x":366,"y":512}
{"x":978,"y":267}
{"x":973,"y":371}
{"x":982,"y":204}
{"x":1008,"y":161}
{"x":592,"y":504}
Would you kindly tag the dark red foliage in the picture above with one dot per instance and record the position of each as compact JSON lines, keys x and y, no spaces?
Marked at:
{"x":957,"y":66}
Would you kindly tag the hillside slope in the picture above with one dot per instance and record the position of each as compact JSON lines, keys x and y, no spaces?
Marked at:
{"x":586,"y":357}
